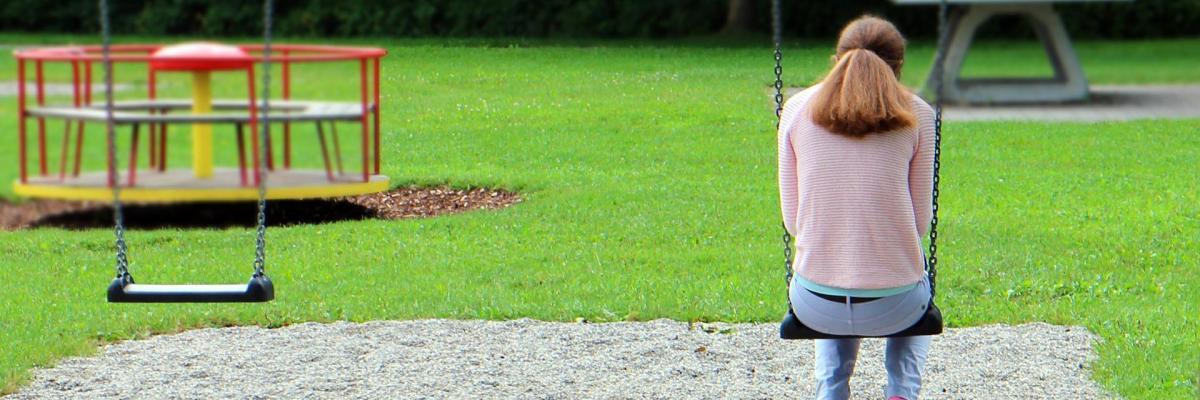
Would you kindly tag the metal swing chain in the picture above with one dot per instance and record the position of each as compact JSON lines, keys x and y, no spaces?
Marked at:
{"x":260,"y":244}
{"x":777,"y":25}
{"x":118,"y":215}
{"x":938,"y":65}
{"x":110,"y":128}
{"x":777,"y":29}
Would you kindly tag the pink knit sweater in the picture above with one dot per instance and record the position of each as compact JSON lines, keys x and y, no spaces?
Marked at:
{"x":857,"y":207}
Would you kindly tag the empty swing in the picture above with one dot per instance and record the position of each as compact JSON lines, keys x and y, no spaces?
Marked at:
{"x":930,"y":322}
{"x":123,"y":289}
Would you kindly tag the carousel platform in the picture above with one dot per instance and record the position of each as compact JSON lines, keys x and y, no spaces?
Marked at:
{"x":181,"y":185}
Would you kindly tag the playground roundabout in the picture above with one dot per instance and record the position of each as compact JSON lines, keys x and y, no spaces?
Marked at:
{"x":532,"y":359}
{"x":149,"y":179}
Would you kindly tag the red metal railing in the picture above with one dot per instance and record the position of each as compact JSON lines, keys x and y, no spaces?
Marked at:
{"x":285,"y":55}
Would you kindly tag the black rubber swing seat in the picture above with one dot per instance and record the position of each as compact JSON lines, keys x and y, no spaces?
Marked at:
{"x":259,"y":289}
{"x":930,"y":324}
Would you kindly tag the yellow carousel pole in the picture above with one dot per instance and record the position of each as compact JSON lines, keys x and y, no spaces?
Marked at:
{"x":202,"y":145}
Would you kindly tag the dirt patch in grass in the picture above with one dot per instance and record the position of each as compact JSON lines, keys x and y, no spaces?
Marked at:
{"x":407,"y":202}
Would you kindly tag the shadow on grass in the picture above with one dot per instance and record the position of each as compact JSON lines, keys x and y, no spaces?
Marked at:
{"x":207,"y":215}
{"x":399,"y":203}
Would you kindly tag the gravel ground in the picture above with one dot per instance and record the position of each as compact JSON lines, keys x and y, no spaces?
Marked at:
{"x":532,"y":359}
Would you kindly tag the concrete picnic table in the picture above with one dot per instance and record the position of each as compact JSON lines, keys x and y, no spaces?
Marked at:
{"x":966,"y":16}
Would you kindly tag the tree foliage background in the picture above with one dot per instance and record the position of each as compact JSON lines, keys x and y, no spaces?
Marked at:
{"x":555,"y":18}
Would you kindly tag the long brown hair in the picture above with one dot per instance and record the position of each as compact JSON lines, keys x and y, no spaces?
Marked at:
{"x":862,"y":94}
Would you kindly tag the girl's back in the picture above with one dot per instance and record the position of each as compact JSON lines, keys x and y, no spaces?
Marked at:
{"x":854,"y":219}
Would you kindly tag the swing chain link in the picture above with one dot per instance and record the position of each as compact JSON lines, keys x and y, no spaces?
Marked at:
{"x":260,"y":243}
{"x":777,"y":28}
{"x":787,"y":254}
{"x":933,"y":234}
{"x":938,"y":65}
{"x":777,"y":35}
{"x":110,"y":130}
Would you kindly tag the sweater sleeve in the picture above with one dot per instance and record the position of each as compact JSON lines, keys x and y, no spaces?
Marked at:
{"x":920,"y":169}
{"x":789,"y":198}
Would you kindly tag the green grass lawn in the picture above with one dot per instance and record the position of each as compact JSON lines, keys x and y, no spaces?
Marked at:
{"x":649,"y":175}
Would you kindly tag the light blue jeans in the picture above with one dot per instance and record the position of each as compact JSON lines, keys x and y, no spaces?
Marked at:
{"x":904,"y":357}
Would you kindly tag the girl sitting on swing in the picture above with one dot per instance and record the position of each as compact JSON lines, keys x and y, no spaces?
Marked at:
{"x":855,"y":184}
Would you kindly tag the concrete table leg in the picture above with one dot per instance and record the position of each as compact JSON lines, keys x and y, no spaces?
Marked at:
{"x":1067,"y":84}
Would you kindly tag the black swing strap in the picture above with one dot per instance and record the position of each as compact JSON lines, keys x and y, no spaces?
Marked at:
{"x":123,"y":289}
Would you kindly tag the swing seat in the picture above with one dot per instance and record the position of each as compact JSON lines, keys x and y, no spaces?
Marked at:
{"x":123,"y":290}
{"x":930,"y":324}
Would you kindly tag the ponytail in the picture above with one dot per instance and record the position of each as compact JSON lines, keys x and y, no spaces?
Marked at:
{"x":860,"y":96}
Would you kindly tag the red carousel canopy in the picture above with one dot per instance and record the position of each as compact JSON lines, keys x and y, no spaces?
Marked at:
{"x":200,"y":56}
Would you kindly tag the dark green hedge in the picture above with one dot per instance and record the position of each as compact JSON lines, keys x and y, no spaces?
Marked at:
{"x":546,"y":18}
{"x":1139,"y":19}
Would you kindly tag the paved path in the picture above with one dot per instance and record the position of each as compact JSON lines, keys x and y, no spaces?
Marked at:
{"x":1108,"y":103}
